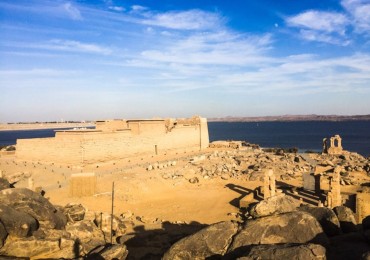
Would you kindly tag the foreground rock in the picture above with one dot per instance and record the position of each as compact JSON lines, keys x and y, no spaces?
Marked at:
{"x":210,"y":241}
{"x":286,"y":251}
{"x":226,"y":237}
{"x":17,"y":223}
{"x":109,"y":252}
{"x":346,"y":218}
{"x":32,"y":203}
{"x":326,"y":217}
{"x":294,"y":227}
{"x":274,"y":205}
{"x":87,"y":234}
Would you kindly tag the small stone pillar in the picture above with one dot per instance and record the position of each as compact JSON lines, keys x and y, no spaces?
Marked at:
{"x":269,"y":186}
{"x":334,"y":198}
{"x":31,"y":183}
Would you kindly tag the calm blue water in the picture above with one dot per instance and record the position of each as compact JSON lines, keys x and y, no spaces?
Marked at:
{"x":306,"y":135}
{"x":303,"y":135}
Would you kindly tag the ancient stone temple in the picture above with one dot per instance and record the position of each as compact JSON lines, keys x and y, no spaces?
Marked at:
{"x":117,"y":139}
{"x":334,"y":146}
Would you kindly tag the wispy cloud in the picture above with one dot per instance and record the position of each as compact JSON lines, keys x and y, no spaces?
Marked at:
{"x":360,"y":13}
{"x":65,"y":46}
{"x":72,"y":11}
{"x":322,"y":21}
{"x":328,"y":27}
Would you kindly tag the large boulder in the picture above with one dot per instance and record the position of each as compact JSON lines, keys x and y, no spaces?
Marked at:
{"x":17,"y":223}
{"x":3,"y":234}
{"x":346,"y":218}
{"x":284,"y":251}
{"x":28,"y":247}
{"x":87,"y":234}
{"x":4,"y":184}
{"x":27,"y":201}
{"x":210,"y":241}
{"x":274,"y":205}
{"x":293,"y":227}
{"x":326,"y":217}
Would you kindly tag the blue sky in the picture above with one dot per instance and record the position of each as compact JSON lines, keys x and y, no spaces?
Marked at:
{"x":87,"y":60}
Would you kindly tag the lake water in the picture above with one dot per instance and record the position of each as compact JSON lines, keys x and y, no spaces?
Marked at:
{"x":303,"y":135}
{"x":306,"y":135}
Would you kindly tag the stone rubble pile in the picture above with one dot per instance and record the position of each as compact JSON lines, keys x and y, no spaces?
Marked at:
{"x":30,"y":226}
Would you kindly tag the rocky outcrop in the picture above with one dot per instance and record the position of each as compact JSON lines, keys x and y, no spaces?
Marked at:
{"x":32,"y":203}
{"x":87,"y":234}
{"x":32,"y":247}
{"x":326,"y":217}
{"x":346,"y":218}
{"x":17,"y":223}
{"x":274,"y":205}
{"x":210,"y":241}
{"x":292,"y":227}
{"x":226,"y":237}
{"x":286,"y":251}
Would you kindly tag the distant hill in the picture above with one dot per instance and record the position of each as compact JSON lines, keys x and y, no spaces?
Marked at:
{"x":290,"y":118}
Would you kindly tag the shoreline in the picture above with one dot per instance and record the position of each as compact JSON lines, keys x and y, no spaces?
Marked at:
{"x":41,"y":126}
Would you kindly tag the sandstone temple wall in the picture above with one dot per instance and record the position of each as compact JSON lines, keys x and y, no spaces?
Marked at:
{"x":117,"y":139}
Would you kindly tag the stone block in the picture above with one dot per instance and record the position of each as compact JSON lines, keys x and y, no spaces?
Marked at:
{"x":82,"y":184}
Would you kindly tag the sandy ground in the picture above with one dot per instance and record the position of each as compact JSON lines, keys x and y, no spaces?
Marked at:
{"x":163,"y":207}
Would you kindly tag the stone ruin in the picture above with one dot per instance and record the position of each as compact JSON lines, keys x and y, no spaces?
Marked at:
{"x":82,"y":184}
{"x":334,"y":147}
{"x":334,"y":197}
{"x":269,"y":186}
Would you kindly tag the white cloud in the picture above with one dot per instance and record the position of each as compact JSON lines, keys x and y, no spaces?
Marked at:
{"x":327,"y":27}
{"x":360,"y":12}
{"x":72,"y":11}
{"x":73,"y":46}
{"x":311,"y":35}
{"x":117,"y":8}
{"x":222,"y":48}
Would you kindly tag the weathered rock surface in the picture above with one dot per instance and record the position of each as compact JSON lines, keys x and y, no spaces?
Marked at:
{"x":4,"y":184}
{"x":74,"y":212}
{"x":87,"y":234}
{"x":27,"y":201}
{"x":3,"y":234}
{"x":292,"y":227}
{"x":17,"y":223}
{"x":326,"y":217}
{"x":346,"y":218}
{"x":109,"y":252}
{"x":103,"y":221}
{"x":28,"y":247}
{"x":274,"y":205}
{"x":210,"y":241}
{"x":285,"y":251}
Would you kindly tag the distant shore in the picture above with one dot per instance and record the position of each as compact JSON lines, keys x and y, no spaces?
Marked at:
{"x":47,"y":125}
{"x":291,"y":118}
